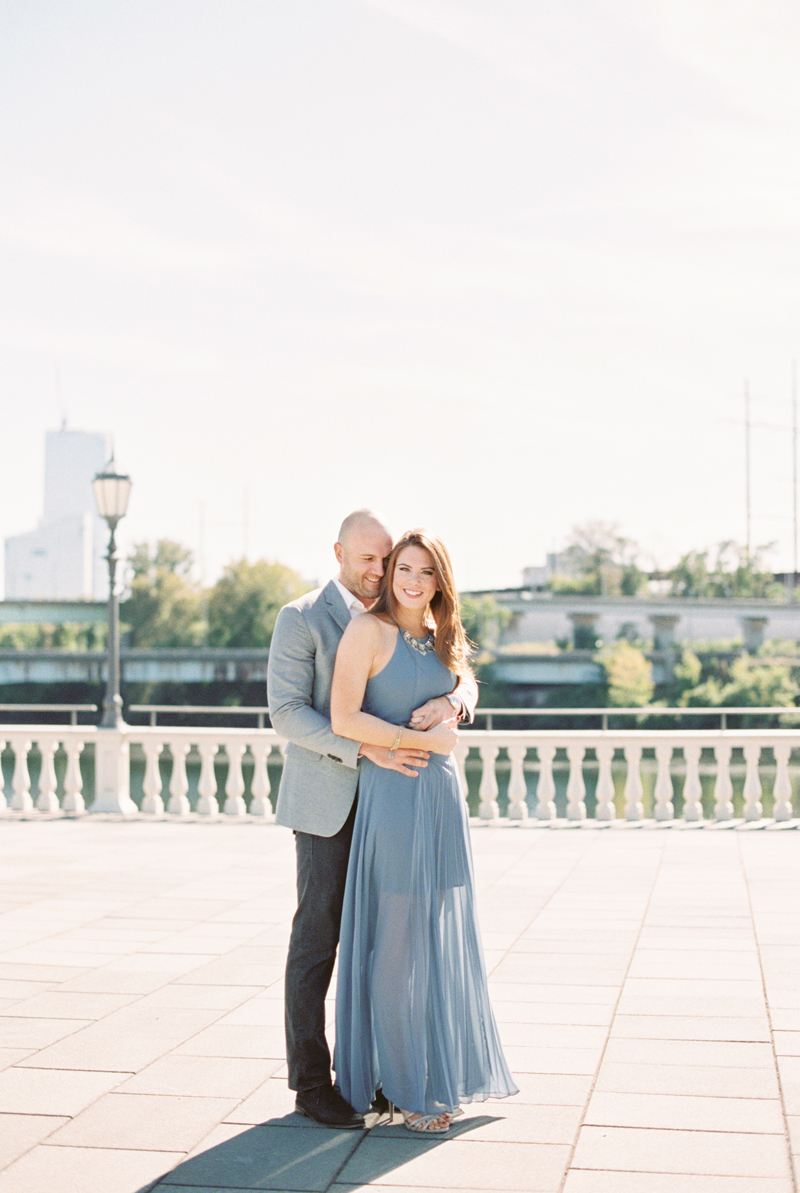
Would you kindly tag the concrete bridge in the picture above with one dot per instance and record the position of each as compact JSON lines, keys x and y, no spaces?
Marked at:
{"x":666,"y":621}
{"x":53,"y":612}
{"x":196,"y":665}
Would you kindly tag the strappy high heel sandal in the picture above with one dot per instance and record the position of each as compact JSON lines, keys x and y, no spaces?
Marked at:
{"x":426,"y":1124}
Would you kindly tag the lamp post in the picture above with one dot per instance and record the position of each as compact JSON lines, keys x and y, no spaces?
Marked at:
{"x":111,"y":492}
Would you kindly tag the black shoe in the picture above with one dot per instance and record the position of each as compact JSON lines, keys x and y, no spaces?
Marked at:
{"x":326,"y":1106}
{"x":380,"y":1103}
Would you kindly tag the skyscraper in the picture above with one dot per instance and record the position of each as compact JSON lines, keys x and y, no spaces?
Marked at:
{"x":63,"y":558}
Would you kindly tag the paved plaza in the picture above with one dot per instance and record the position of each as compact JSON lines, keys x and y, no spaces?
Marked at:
{"x":646,"y":980}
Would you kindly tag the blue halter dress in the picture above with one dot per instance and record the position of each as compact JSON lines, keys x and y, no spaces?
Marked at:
{"x":413,"y":1015}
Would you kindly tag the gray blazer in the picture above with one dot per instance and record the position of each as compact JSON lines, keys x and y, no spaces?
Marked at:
{"x":320,"y":775}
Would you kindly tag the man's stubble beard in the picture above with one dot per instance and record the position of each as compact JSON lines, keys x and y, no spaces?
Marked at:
{"x":354,"y":584}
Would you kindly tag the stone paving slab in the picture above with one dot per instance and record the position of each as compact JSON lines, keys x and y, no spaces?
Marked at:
{"x":646,"y":984}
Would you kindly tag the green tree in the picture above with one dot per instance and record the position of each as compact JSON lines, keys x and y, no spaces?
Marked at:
{"x":750,"y":683}
{"x":483,"y":621}
{"x":733,"y":572}
{"x":61,"y":636}
{"x":166,"y":606}
{"x":599,"y":560}
{"x":245,"y":601}
{"x":759,"y":685}
{"x":686,"y":676}
{"x":629,"y":675}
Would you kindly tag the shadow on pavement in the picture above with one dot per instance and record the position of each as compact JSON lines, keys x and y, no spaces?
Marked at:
{"x":294,"y":1155}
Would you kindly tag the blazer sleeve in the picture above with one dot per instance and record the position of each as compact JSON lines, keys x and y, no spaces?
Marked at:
{"x":290,"y":691}
{"x":467,"y":693}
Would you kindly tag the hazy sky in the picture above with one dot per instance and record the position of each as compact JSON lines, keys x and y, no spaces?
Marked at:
{"x":494,"y":266}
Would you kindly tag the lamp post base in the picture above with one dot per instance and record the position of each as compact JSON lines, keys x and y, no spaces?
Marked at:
{"x":112,"y":774}
{"x":112,"y":713}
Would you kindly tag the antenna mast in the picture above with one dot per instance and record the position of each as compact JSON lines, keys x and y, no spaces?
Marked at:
{"x":747,"y":461}
{"x":794,"y":479}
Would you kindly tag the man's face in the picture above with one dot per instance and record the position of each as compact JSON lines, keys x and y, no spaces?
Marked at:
{"x":362,"y":559}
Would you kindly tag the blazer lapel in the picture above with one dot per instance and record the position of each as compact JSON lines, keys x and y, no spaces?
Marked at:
{"x":336,"y":606}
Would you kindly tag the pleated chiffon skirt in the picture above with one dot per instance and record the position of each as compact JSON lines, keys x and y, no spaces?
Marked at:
{"x":413,"y":1016}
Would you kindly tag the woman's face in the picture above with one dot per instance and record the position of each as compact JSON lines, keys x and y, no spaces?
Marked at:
{"x":414,"y":582}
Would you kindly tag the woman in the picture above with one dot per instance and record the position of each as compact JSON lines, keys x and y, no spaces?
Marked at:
{"x":412,"y":1009}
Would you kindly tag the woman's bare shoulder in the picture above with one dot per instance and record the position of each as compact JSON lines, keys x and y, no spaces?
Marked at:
{"x":369,"y":629}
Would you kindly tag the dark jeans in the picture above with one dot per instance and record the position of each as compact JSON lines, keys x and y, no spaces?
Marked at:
{"x":321,"y":875}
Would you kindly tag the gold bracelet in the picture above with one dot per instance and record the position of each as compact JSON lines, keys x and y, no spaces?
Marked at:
{"x":396,"y":741}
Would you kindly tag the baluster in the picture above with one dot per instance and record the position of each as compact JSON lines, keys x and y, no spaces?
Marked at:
{"x":48,"y":800}
{"x":752,"y":783}
{"x":605,"y":783}
{"x":179,"y":783}
{"x":234,"y":786}
{"x":488,"y":789}
{"x":152,"y":803}
{"x":723,"y":788}
{"x":73,"y":779}
{"x":664,"y":807}
{"x":576,"y":788}
{"x":546,"y":787}
{"x":3,"y":800}
{"x":21,"y":801}
{"x":259,"y":804}
{"x":692,"y":788}
{"x":517,"y":791}
{"x":634,"y":809}
{"x":460,"y":754}
{"x":207,"y":787}
{"x":783,"y":784}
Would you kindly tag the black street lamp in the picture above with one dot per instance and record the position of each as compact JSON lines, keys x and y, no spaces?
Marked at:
{"x":111,"y":492}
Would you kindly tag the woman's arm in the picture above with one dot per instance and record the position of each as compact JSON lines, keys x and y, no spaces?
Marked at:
{"x":355,"y":658}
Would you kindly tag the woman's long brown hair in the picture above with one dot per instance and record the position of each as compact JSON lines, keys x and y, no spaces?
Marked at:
{"x":452,"y":645}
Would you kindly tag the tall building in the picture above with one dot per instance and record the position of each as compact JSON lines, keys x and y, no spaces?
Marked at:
{"x":63,"y":558}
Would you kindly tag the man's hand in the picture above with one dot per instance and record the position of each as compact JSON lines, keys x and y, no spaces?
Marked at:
{"x":403,"y":760}
{"x":433,"y":712}
{"x":444,"y":737}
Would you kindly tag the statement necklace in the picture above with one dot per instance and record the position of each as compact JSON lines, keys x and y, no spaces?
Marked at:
{"x":426,"y":646}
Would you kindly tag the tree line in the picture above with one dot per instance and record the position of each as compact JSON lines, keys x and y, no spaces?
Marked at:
{"x":166,"y":607}
{"x":598,"y":560}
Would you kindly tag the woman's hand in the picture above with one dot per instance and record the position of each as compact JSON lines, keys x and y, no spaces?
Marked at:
{"x":443,"y":738}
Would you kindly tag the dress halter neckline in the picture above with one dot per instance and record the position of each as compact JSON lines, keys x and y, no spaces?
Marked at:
{"x":422,"y":646}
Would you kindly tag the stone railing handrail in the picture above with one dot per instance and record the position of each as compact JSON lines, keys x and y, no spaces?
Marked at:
{"x":260,"y":711}
{"x":488,"y":714}
{"x":648,"y":710}
{"x":112,"y":769}
{"x":72,"y":709}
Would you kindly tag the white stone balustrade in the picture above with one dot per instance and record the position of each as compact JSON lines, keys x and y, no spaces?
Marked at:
{"x":634,"y":808}
{"x":676,"y":760}
{"x":166,"y":748}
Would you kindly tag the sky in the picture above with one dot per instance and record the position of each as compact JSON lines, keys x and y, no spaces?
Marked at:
{"x":498,"y":269}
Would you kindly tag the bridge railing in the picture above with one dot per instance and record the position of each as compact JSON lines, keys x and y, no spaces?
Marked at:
{"x":780,"y":713}
{"x":94,"y":768}
{"x":72,"y":710}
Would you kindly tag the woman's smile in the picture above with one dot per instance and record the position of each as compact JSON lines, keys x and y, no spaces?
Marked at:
{"x":414,"y":582}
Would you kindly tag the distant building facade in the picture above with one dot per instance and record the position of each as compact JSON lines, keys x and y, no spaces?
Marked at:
{"x":62,"y":559}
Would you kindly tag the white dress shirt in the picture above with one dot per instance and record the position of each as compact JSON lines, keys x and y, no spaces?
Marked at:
{"x":354,"y":605}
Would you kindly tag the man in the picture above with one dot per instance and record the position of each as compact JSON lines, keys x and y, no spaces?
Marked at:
{"x":317,"y":795}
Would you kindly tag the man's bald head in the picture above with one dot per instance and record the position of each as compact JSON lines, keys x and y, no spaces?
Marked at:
{"x":362,"y":520}
{"x":361,"y":550}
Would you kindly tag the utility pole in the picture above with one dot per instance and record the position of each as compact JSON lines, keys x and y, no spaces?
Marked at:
{"x":245,"y":521}
{"x":747,"y":461}
{"x":794,"y":480}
